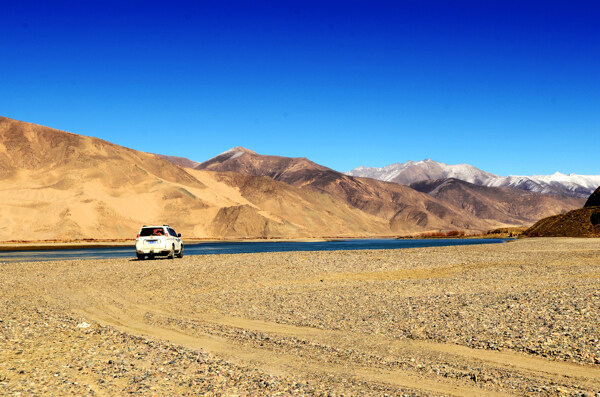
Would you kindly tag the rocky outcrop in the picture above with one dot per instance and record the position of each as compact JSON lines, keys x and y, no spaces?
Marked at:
{"x":584,"y":222}
{"x":594,"y":199}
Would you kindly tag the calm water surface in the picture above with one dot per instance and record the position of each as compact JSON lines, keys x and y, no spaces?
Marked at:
{"x":240,"y":248}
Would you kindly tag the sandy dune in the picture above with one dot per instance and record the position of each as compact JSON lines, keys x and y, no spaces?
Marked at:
{"x":517,"y":318}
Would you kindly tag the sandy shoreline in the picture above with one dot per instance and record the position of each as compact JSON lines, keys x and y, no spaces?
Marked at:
{"x":519,"y":318}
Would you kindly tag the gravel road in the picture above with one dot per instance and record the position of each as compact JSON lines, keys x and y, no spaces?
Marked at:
{"x":506,"y":319}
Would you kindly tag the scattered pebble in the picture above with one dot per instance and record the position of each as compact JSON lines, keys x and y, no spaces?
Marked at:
{"x":348,"y":313}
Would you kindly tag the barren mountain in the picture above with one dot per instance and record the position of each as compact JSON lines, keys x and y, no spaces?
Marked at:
{"x":245,"y":161}
{"x":292,"y":207}
{"x":510,"y":206}
{"x":558,"y":183}
{"x":417,"y":171}
{"x":447,"y":203}
{"x":59,"y":185}
{"x":405,"y":209}
{"x":28,"y":147}
{"x":180,"y":161}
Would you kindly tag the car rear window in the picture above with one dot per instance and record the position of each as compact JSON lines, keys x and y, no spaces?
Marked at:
{"x":152,"y":231}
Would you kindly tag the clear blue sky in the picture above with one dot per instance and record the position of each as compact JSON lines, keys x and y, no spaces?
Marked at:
{"x":512,"y":87}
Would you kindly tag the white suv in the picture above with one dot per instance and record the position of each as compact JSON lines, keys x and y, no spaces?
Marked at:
{"x":154,"y":241}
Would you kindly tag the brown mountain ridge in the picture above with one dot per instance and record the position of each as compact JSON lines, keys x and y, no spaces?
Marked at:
{"x":445,"y":203}
{"x":404,"y":209}
{"x":60,"y":185}
{"x":510,"y":206}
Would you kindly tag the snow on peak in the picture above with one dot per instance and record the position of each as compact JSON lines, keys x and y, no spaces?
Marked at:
{"x":416,"y":171}
{"x":236,"y":152}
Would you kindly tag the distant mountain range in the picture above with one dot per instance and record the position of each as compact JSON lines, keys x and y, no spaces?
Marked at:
{"x":418,"y":171}
{"x":506,"y":205}
{"x":60,"y":185}
{"x":446,"y":203}
{"x":400,"y":209}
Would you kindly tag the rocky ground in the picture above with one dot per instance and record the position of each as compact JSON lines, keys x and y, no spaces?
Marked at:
{"x":518,"y":318}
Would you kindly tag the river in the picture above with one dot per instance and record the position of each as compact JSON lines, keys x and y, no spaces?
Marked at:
{"x":211,"y":248}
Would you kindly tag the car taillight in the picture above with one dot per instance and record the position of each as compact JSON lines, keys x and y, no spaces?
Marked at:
{"x":137,"y":236}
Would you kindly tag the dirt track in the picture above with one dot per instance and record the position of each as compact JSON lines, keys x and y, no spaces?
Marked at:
{"x":514,"y":318}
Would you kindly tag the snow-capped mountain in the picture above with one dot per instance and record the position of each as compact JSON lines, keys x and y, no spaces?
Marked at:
{"x":557,"y":183}
{"x":417,"y":171}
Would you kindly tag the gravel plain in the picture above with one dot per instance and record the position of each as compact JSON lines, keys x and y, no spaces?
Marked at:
{"x":520,"y":318}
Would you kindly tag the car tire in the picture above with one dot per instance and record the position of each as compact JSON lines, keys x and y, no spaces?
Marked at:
{"x":172,"y":253}
{"x":180,"y":254}
{"x":141,"y":257}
